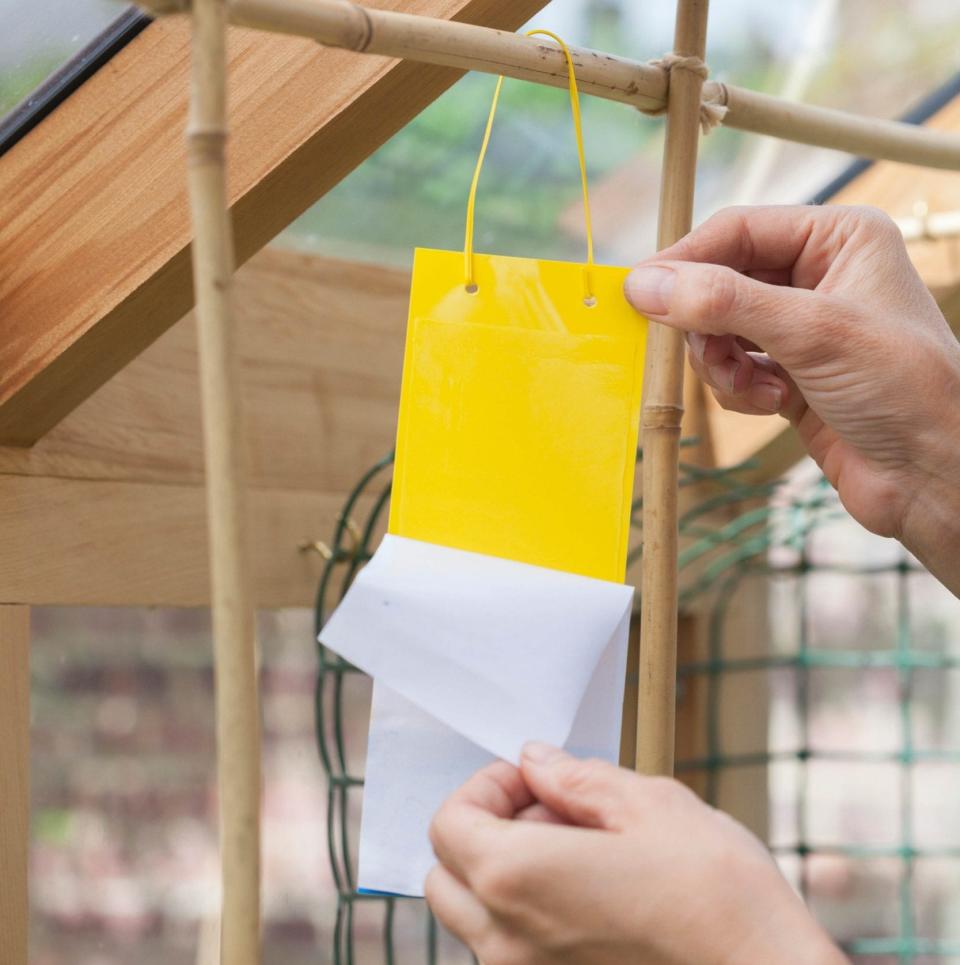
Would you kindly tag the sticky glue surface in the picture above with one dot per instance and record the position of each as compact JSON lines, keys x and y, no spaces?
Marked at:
{"x":519,"y":412}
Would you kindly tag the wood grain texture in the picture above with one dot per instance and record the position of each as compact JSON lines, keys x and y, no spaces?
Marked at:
{"x":95,"y":251}
{"x":321,"y":349}
{"x":14,"y":782}
{"x":896,"y":188}
{"x":94,"y":543}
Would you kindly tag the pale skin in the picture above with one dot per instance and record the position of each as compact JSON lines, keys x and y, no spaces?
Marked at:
{"x":811,"y":314}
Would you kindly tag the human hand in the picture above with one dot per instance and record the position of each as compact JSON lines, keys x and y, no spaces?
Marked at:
{"x":818,"y":314}
{"x":608,"y":868}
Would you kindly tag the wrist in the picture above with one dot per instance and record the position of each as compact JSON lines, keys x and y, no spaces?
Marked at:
{"x":931,"y":518}
{"x":931,"y":531}
{"x":779,"y":928}
{"x":792,"y":937}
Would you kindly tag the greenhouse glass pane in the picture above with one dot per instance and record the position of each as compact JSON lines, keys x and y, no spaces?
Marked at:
{"x":39,"y":37}
{"x":413,"y":190}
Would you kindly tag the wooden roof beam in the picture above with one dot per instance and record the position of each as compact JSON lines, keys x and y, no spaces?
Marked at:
{"x":94,"y":258}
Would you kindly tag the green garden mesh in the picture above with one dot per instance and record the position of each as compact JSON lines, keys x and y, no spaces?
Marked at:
{"x":858,"y":753}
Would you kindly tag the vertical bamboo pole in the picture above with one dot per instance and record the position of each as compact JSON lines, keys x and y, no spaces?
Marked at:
{"x":235,"y":662}
{"x":662,"y":415}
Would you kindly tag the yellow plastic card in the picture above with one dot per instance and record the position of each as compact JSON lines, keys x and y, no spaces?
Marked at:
{"x":520,"y":406}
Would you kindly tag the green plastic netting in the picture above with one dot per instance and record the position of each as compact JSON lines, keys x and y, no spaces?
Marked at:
{"x":855,"y":769}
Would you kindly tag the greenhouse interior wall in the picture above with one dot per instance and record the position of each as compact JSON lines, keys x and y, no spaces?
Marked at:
{"x":853,"y":777}
{"x":819,"y":679}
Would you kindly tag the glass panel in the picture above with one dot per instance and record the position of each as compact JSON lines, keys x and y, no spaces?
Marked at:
{"x":413,"y":190}
{"x":41,"y":36}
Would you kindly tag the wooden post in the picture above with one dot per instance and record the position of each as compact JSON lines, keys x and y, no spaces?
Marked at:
{"x":14,"y":782}
{"x":662,"y":415}
{"x":235,"y":661}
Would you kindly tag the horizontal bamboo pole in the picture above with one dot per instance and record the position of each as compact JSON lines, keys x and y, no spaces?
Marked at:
{"x":867,"y":137}
{"x":340,"y":23}
{"x":929,"y":226}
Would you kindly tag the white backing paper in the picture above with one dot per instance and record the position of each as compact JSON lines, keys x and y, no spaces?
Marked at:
{"x":472,"y":656}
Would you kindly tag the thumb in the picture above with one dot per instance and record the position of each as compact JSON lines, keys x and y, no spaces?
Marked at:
{"x":716,"y":300}
{"x":588,"y":793}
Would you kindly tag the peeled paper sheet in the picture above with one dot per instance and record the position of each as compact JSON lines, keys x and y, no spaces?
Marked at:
{"x":472,"y":656}
{"x":494,"y":613}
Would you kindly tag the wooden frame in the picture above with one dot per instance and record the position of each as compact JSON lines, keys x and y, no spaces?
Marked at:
{"x":96,"y":245}
{"x":76,"y":314}
{"x":107,"y":509}
{"x":14,"y":782}
{"x":359,"y":29}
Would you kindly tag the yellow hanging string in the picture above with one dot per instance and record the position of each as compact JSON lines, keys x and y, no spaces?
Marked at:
{"x":578,"y":130}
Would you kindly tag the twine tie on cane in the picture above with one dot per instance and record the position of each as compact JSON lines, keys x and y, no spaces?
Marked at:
{"x":713,"y":107}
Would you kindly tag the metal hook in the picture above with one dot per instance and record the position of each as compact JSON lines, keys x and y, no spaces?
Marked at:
{"x":316,"y":546}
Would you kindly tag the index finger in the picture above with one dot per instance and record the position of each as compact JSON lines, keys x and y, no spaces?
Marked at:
{"x":799,"y":240}
{"x":463,"y":829}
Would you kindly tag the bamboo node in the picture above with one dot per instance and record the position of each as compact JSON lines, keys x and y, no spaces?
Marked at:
{"x":662,"y":416}
{"x":205,"y":145}
{"x":367,"y":29}
{"x":713,"y":106}
{"x":162,"y":8}
{"x":358,"y":32}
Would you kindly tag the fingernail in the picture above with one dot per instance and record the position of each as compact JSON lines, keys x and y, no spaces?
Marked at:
{"x":649,"y":289}
{"x":539,"y":753}
{"x":769,"y":397}
{"x":697,"y":343}
{"x":724,"y":374}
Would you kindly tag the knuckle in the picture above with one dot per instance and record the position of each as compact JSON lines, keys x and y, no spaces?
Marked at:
{"x":496,"y":948}
{"x":431,"y":884}
{"x":666,"y":792}
{"x":721,"y":294}
{"x":499,"y":883}
{"x":725,"y":401}
{"x":436,"y":829}
{"x":729,"y":217}
{"x":578,"y":775}
{"x":879,"y":222}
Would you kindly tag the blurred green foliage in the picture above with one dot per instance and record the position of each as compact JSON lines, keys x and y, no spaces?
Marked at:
{"x":17,"y":82}
{"x":413,"y":191}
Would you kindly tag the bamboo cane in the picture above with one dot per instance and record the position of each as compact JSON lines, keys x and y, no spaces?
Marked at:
{"x":662,"y":415}
{"x":340,"y":23}
{"x":866,"y":137}
{"x":923,"y":225}
{"x":237,"y":707}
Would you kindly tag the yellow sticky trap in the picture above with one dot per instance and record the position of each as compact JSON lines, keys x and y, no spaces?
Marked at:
{"x":520,"y":405}
{"x":519,"y":413}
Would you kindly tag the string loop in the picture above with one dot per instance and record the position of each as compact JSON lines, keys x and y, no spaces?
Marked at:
{"x":470,"y":281}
